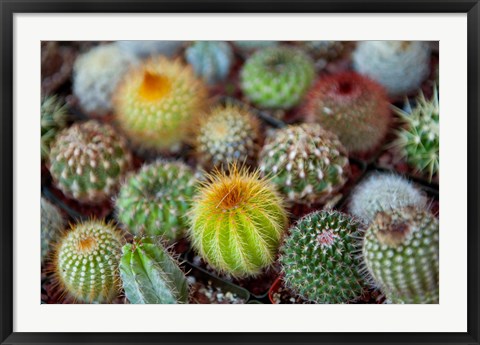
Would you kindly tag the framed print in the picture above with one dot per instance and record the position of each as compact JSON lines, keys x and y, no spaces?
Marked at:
{"x":204,"y":172}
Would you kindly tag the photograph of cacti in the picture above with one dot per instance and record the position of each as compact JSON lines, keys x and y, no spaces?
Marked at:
{"x":240,"y":172}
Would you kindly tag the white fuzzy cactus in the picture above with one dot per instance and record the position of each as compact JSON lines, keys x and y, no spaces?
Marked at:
{"x":96,"y":75}
{"x":400,"y":66}
{"x":143,"y":49}
{"x":384,"y":192}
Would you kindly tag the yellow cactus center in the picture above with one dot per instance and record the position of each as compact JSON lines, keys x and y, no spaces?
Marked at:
{"x":219,"y":130}
{"x":154,"y":86}
{"x":85,"y":245}
{"x":231,"y":194}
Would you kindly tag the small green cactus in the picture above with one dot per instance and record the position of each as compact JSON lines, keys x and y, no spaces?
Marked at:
{"x":401,"y":252}
{"x":320,"y":260}
{"x":150,"y":275}
{"x":228,"y":134}
{"x":418,"y":140}
{"x":237,"y":221}
{"x":211,"y":60}
{"x":307,"y":163}
{"x":52,"y":226}
{"x":86,"y":263}
{"x":54,"y":118}
{"x":277,"y":77}
{"x":383,"y":192}
{"x":154,"y":200}
{"x":88,"y":160}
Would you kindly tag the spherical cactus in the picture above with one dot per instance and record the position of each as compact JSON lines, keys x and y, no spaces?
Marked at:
{"x":156,"y":103}
{"x":86,"y":263}
{"x":237,"y":221}
{"x":52,"y":226}
{"x":96,"y":75}
{"x":54,"y":118}
{"x":150,"y":275}
{"x":353,"y":107}
{"x":88,"y":160}
{"x":228,"y":134}
{"x":154,"y":200}
{"x":307,"y":163}
{"x":144,"y":49}
{"x":325,"y":50}
{"x":247,"y":47}
{"x":211,"y":60}
{"x":277,"y":77}
{"x":418,"y":140}
{"x":384,"y":192}
{"x":400,"y":66}
{"x":401,"y":251}
{"x":320,"y":260}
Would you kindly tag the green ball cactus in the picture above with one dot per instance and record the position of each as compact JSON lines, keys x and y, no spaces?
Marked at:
{"x":418,"y":140}
{"x":156,"y":103}
{"x":307,"y":163}
{"x":96,"y":74}
{"x":150,"y":275}
{"x":401,"y":252}
{"x":277,"y":77}
{"x":400,"y":66}
{"x":52,"y":226}
{"x":87,"y":260}
{"x":154,"y":200}
{"x":54,"y":118}
{"x":88,"y":160}
{"x":384,"y":192}
{"x":211,"y":60}
{"x":237,"y":221}
{"x":320,"y":260}
{"x":228,"y":134}
{"x":353,"y":107}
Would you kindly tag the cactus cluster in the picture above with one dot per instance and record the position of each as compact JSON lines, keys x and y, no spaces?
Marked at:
{"x":247,"y":47}
{"x":88,"y":160}
{"x":227,"y":134}
{"x":145,"y":49}
{"x":277,"y":77}
{"x":400,"y":66}
{"x":307,"y":163}
{"x":320,"y":260}
{"x":237,"y":221}
{"x":96,"y":75}
{"x":384,"y":192}
{"x":353,"y":107}
{"x":401,"y":252}
{"x":150,"y":275}
{"x":54,"y":117}
{"x":418,"y":140}
{"x":154,"y":200}
{"x":52,"y":225}
{"x":86,"y":262}
{"x":155,"y":103}
{"x":211,"y":60}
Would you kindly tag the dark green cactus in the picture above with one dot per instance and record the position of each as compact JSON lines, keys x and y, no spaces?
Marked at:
{"x":54,"y":118}
{"x":52,"y":225}
{"x":150,"y":275}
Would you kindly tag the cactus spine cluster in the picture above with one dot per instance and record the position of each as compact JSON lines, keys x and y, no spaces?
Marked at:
{"x":353,"y":107}
{"x":320,"y":260}
{"x":145,"y":49}
{"x":155,"y":104}
{"x":96,"y":75}
{"x":277,"y":77}
{"x":384,"y":192}
{"x":52,"y":226}
{"x":400,"y":66}
{"x":401,"y":252}
{"x":88,"y":160}
{"x":86,"y":263}
{"x":150,"y":275}
{"x":237,"y":221}
{"x":228,"y":134}
{"x":307,"y":163}
{"x":54,"y":118}
{"x":418,"y":141}
{"x":211,"y":60}
{"x":154,"y":200}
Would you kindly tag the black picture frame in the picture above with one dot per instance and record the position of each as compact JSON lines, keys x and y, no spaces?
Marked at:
{"x":9,"y":8}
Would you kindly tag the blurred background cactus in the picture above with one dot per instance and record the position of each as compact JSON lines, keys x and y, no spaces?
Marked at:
{"x":211,"y":60}
{"x":53,"y":224}
{"x":54,"y":118}
{"x":145,"y":49}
